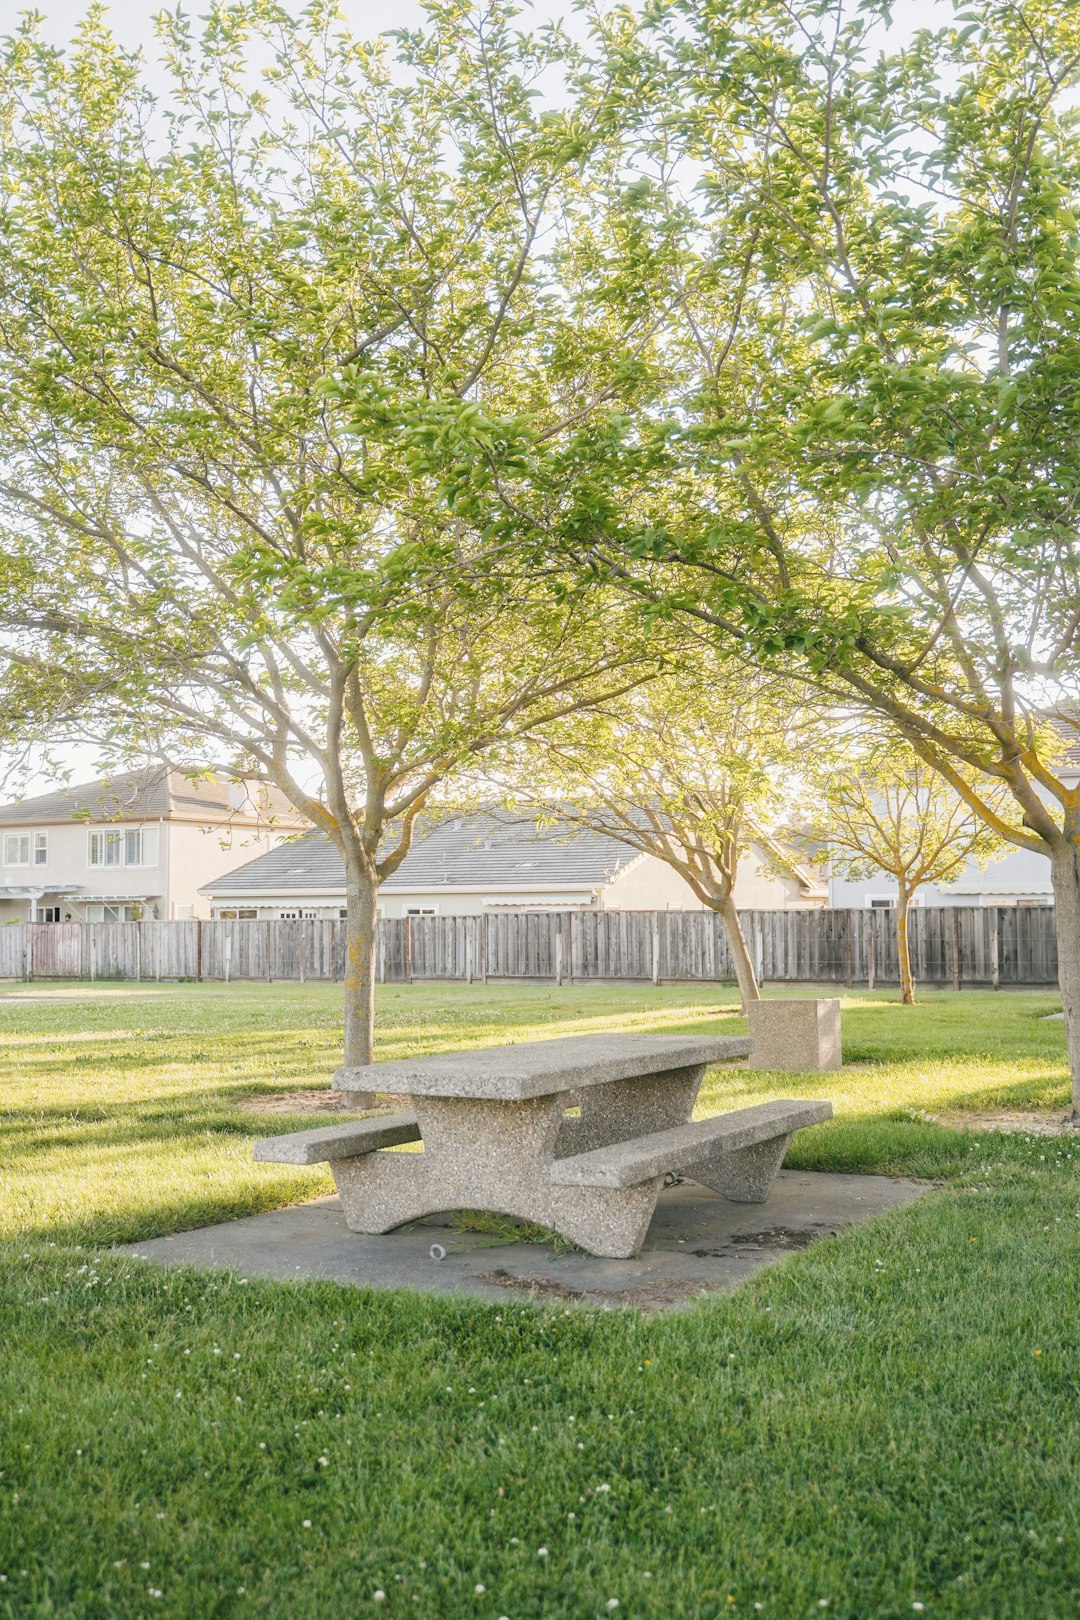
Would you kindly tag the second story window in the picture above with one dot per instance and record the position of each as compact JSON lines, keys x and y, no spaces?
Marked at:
{"x":127,"y":846}
{"x":41,"y":849}
{"x":105,"y":848}
{"x":141,"y":846}
{"x":16,"y":849}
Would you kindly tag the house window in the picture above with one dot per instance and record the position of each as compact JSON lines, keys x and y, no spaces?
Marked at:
{"x":48,"y":913}
{"x":237,"y":914}
{"x":115,"y":914}
{"x":41,"y":851}
{"x":16,"y":849}
{"x":421,"y":911}
{"x":104,"y":849}
{"x":141,"y":846}
{"x":880,"y":902}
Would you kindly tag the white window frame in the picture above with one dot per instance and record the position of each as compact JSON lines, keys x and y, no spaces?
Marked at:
{"x":41,"y":849}
{"x":111,"y":837}
{"x":881,"y":902}
{"x":421,"y":911}
{"x":43,"y":914}
{"x":13,"y":839}
{"x":144,"y":834}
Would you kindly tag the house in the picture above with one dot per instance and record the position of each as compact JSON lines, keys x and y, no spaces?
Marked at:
{"x":138,"y":844}
{"x":1018,"y":877}
{"x":470,"y":865}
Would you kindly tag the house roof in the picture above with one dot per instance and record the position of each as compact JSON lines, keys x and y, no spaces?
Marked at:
{"x":1066,"y":720}
{"x":464,"y":852}
{"x":152,"y":794}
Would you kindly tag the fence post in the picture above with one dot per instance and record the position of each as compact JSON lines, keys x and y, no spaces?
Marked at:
{"x":228,"y":957}
{"x":558,"y":951}
{"x":995,"y":948}
{"x":955,"y":948}
{"x":198,"y":950}
{"x":408,"y":950}
{"x":849,"y":952}
{"x":93,"y":951}
{"x":28,"y":953}
{"x":871,"y":959}
{"x":656,"y":947}
{"x":138,"y":953}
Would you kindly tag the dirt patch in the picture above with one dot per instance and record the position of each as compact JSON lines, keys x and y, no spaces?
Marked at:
{"x":293,"y":1102}
{"x":1009,"y":1120}
{"x":651,"y":1296}
{"x":776,"y":1237}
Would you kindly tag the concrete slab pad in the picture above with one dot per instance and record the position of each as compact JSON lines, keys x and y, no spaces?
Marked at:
{"x":698,"y":1243}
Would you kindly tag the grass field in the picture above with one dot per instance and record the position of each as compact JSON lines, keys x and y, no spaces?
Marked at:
{"x":883,"y":1425}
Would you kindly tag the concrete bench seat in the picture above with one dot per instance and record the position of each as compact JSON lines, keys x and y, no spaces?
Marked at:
{"x":738,"y":1154}
{"x":333,"y":1142}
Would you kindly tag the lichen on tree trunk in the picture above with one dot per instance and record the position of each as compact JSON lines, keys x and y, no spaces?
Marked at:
{"x":361,"y":914}
{"x":745,"y":976}
{"x":1065,"y":878}
{"x":903,"y":947}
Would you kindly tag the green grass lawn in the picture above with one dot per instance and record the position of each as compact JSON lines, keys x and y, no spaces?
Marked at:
{"x":884,"y":1421}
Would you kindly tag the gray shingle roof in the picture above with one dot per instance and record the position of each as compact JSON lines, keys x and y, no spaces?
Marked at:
{"x":464,"y":852}
{"x":150,"y":794}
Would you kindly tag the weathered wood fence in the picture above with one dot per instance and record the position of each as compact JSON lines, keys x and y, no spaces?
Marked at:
{"x":950,"y":945}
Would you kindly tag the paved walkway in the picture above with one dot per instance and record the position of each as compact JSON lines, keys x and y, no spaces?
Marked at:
{"x":698,"y":1243}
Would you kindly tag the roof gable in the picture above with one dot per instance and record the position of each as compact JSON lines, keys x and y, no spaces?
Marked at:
{"x":153,"y":794}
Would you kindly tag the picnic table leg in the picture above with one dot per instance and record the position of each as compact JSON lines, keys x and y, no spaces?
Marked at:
{"x":491,"y":1156}
{"x":746,"y":1175}
{"x":613,"y":1113}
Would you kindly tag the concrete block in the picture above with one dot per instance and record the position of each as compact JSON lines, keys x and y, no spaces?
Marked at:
{"x":801,"y":1036}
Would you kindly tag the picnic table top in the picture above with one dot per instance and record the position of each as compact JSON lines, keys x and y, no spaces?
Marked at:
{"x":541,"y":1068}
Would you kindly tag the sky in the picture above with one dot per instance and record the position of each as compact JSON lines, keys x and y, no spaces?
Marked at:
{"x":132,"y":21}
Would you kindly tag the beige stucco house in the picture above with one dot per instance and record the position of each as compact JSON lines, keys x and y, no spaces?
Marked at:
{"x":475,"y":864}
{"x":139,"y":844}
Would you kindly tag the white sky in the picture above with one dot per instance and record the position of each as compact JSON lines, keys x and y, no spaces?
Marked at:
{"x":132,"y":21}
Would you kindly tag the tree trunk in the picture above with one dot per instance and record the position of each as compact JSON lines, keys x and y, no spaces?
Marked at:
{"x":1065,"y":877}
{"x":361,"y":921}
{"x":903,"y":950}
{"x":745,"y":976}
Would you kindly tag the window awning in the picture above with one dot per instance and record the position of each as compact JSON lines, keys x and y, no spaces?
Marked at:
{"x":541,"y":902}
{"x":106,"y":899}
{"x":33,"y":891}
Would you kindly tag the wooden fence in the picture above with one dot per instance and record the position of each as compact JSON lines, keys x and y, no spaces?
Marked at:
{"x":950,"y":945}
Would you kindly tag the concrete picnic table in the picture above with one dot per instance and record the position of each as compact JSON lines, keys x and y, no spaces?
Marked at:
{"x":575,"y":1134}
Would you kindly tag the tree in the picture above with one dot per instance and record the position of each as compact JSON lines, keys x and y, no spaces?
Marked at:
{"x":188,"y":291}
{"x":692,"y":768}
{"x":859,"y":461}
{"x":896,"y":815}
